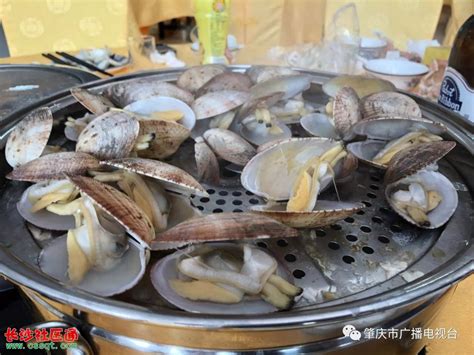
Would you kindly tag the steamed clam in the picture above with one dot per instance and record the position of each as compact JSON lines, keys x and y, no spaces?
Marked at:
{"x":195,"y":77}
{"x":362,"y":85}
{"x":415,"y":191}
{"x":389,"y":103}
{"x":388,"y":135}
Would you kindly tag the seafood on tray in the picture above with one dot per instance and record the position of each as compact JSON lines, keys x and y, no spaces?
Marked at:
{"x":128,"y":189}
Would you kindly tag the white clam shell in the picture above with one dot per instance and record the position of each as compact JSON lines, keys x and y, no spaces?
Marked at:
{"x":261,"y":136}
{"x":319,"y":125}
{"x":53,"y":261}
{"x":43,"y":218}
{"x":215,"y":103}
{"x":430,"y":180}
{"x":272,"y":172}
{"x":162,"y":103}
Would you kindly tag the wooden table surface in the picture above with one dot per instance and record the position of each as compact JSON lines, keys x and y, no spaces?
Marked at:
{"x":458,"y":314}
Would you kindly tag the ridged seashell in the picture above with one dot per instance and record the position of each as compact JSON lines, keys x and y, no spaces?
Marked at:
{"x":226,"y":81}
{"x":194,"y":78}
{"x":110,"y":136}
{"x":362,"y":85}
{"x":171,"y":177}
{"x":97,"y":104}
{"x":260,"y":73}
{"x":290,"y":85}
{"x":53,"y":261}
{"x":221,"y":227}
{"x":168,"y":138}
{"x":324,"y":214}
{"x":389,"y":103}
{"x":346,"y":111}
{"x":119,"y":206}
{"x":215,"y":103}
{"x":54,"y":167}
{"x":28,"y":139}
{"x":206,"y":163}
{"x":413,"y":159}
{"x":126,"y":92}
{"x":229,"y":145}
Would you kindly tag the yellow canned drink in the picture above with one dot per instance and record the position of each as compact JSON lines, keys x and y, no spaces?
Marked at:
{"x":212,"y":17}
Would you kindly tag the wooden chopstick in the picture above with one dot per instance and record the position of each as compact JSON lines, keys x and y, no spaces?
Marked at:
{"x":55,"y":59}
{"x":83,"y":63}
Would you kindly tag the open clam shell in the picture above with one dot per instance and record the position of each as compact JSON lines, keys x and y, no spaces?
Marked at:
{"x":389,"y":103}
{"x":229,"y":146}
{"x":226,"y":81}
{"x":380,"y":131}
{"x":110,"y":136}
{"x":194,"y":78}
{"x":319,"y":125}
{"x":28,"y":139}
{"x":119,"y":206}
{"x":345,"y":111}
{"x":222,"y":227}
{"x":215,"y":103}
{"x":362,"y":85}
{"x":126,"y":92}
{"x":54,"y":167}
{"x":290,"y":85}
{"x":172,"y":178}
{"x":165,"y":270}
{"x":430,"y":180}
{"x":168,"y":138}
{"x":206,"y":162}
{"x":261,"y":134}
{"x":154,"y":104}
{"x":43,"y":218}
{"x":413,"y":159}
{"x":272,"y":172}
{"x":53,"y":261}
{"x":181,"y":210}
{"x":324,"y":213}
{"x":97,"y":104}
{"x":253,"y":104}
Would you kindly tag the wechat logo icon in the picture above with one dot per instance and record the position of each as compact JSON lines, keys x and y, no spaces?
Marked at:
{"x":351,"y":332}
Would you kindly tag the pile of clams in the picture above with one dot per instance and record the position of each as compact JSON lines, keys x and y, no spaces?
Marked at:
{"x":118,"y":196}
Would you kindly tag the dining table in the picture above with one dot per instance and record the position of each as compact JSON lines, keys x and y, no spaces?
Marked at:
{"x":457,"y":315}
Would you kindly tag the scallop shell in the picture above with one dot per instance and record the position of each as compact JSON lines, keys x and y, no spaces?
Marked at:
{"x":215,"y":103}
{"x":362,"y":85}
{"x":172,"y":177}
{"x":411,"y":160}
{"x":194,"y":78}
{"x":221,"y":227}
{"x":127,"y":92}
{"x":229,"y":146}
{"x":168,"y":138}
{"x":206,"y":163}
{"x":54,"y":167}
{"x":325,"y":213}
{"x":53,"y":261}
{"x":430,"y":180}
{"x":110,"y":136}
{"x":28,"y":139}
{"x":346,"y":111}
{"x":119,"y":206}
{"x":272,"y":172}
{"x":389,"y":103}
{"x":226,"y":81}
{"x":97,"y":104}
{"x":290,"y":85}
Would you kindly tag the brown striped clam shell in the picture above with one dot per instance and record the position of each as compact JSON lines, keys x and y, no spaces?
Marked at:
{"x":171,"y":177}
{"x":97,"y":104}
{"x":194,"y":78}
{"x":229,"y":146}
{"x":215,"y":103}
{"x":221,"y":227}
{"x":389,"y":103}
{"x":206,"y":163}
{"x":54,"y":166}
{"x":168,"y":138}
{"x":226,"y":81}
{"x":346,"y":111}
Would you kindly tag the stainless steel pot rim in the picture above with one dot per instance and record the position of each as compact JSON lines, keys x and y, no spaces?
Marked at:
{"x":452,"y":272}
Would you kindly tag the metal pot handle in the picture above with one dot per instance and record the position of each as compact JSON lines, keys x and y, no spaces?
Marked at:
{"x":83,"y":347}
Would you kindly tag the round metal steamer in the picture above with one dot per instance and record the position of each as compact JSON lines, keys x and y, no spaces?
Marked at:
{"x":370,"y":270}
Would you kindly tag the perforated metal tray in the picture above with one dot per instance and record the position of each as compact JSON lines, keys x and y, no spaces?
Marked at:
{"x":373,"y":261}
